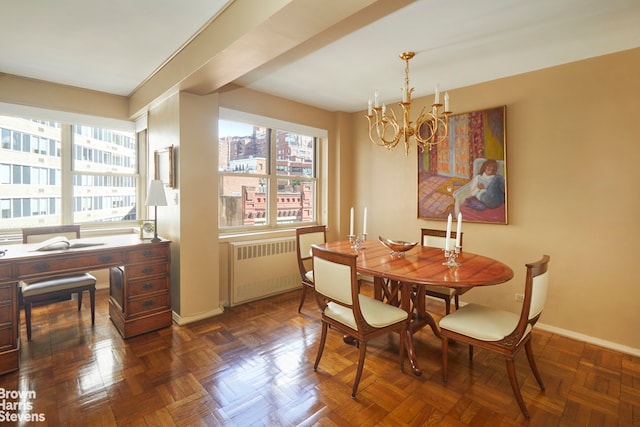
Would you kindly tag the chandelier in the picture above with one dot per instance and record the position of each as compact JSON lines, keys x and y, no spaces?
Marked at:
{"x":429,"y":129}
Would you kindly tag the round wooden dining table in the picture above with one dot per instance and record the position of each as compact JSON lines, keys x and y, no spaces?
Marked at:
{"x":400,"y":279}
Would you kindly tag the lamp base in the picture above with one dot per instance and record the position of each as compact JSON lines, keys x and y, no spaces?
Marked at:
{"x":155,"y":227}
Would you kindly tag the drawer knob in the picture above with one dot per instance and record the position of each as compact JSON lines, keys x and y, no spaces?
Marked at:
{"x":147,"y":304}
{"x":147,"y":252}
{"x":105,"y":258}
{"x":147,"y":286}
{"x":147,"y":270}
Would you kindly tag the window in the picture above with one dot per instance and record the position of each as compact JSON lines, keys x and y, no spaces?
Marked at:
{"x":105,"y":175}
{"x":101,"y":184}
{"x":267,"y":176}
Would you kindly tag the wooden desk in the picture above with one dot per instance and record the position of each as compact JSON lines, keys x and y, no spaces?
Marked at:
{"x":139,"y":293}
{"x":398,"y":280}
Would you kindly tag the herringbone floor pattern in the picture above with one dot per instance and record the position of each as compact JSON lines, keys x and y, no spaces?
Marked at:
{"x":253,"y":366}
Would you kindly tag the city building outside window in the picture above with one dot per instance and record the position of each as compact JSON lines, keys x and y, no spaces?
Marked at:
{"x":267,"y":176}
{"x":37,"y":188}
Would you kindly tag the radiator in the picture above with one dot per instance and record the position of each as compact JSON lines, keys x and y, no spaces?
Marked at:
{"x":261,"y":268}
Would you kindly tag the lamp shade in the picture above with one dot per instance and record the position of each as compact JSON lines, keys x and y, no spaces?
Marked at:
{"x":156,"y":195}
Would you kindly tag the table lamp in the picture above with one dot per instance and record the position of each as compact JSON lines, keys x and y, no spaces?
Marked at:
{"x":156,"y":197}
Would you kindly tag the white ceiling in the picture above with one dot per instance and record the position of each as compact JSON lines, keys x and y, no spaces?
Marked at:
{"x":114,"y":46}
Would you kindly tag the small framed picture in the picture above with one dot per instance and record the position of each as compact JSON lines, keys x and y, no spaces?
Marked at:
{"x":163,"y":160}
{"x":147,"y":229}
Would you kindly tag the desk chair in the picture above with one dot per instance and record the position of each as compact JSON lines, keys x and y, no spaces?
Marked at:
{"x":305,"y":237}
{"x":46,"y":290}
{"x":500,"y":331}
{"x":438,"y":239}
{"x":345,"y":309}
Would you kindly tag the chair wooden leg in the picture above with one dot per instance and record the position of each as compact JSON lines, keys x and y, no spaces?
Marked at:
{"x":402,"y":344}
{"x":457,"y":301}
{"x":511,"y":370}
{"x":79,"y":300}
{"x":27,"y":317}
{"x":323,"y":338}
{"x":302,"y":297}
{"x":447,"y":307}
{"x":363,"y":352}
{"x":470,"y":353}
{"x":92,"y":299}
{"x":532,"y":364}
{"x":445,"y":359}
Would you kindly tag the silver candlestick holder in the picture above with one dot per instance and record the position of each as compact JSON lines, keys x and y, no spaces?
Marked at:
{"x":451,"y":255}
{"x":357,"y":242}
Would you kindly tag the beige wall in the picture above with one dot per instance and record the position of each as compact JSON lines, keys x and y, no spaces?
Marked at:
{"x":573,"y":148}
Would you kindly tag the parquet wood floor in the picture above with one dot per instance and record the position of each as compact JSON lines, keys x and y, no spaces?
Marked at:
{"x":253,"y":366}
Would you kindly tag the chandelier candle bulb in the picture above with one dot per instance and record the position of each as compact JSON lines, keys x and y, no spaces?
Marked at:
{"x":459,"y":225}
{"x":376,"y":99}
{"x":446,"y":101}
{"x":369,"y":109}
{"x":437,"y":96}
{"x":448,"y":236}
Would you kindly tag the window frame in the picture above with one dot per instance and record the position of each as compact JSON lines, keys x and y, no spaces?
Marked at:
{"x":272,"y":177}
{"x":65,"y":152}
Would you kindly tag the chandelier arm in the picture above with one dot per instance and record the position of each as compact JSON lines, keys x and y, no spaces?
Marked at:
{"x":381,"y":123}
{"x":438,"y":129}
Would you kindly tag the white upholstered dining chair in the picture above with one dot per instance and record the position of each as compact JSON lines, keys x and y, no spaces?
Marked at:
{"x":345,"y":309}
{"x":437,"y":239}
{"x":305,"y":237}
{"x":501,"y":331}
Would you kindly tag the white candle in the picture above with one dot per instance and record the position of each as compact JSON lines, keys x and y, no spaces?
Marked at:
{"x":459,"y":230}
{"x":376,"y":100}
{"x":369,"y":109}
{"x":448,"y":235}
{"x":446,"y":102}
{"x":351,"y":224}
{"x":364,"y":227}
{"x":437,"y":96}
{"x":404,"y":95}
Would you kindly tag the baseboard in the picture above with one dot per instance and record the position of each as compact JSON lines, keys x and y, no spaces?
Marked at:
{"x":183,"y":320}
{"x":589,"y":339}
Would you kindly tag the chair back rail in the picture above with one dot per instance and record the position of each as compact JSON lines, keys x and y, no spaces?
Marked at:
{"x":40,"y":234}
{"x":438,"y":238}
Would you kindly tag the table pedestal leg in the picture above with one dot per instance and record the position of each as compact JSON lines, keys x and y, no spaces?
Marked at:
{"x":421,"y":316}
{"x":405,"y":304}
{"x":412,"y":299}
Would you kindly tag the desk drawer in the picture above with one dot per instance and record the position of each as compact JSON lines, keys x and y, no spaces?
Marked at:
{"x":5,"y":271}
{"x":68,"y":263}
{"x":150,"y":251}
{"x":7,"y":293}
{"x":6,"y":314}
{"x":149,"y":304}
{"x":7,"y":337}
{"x":142,"y":287}
{"x":140,"y":271}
